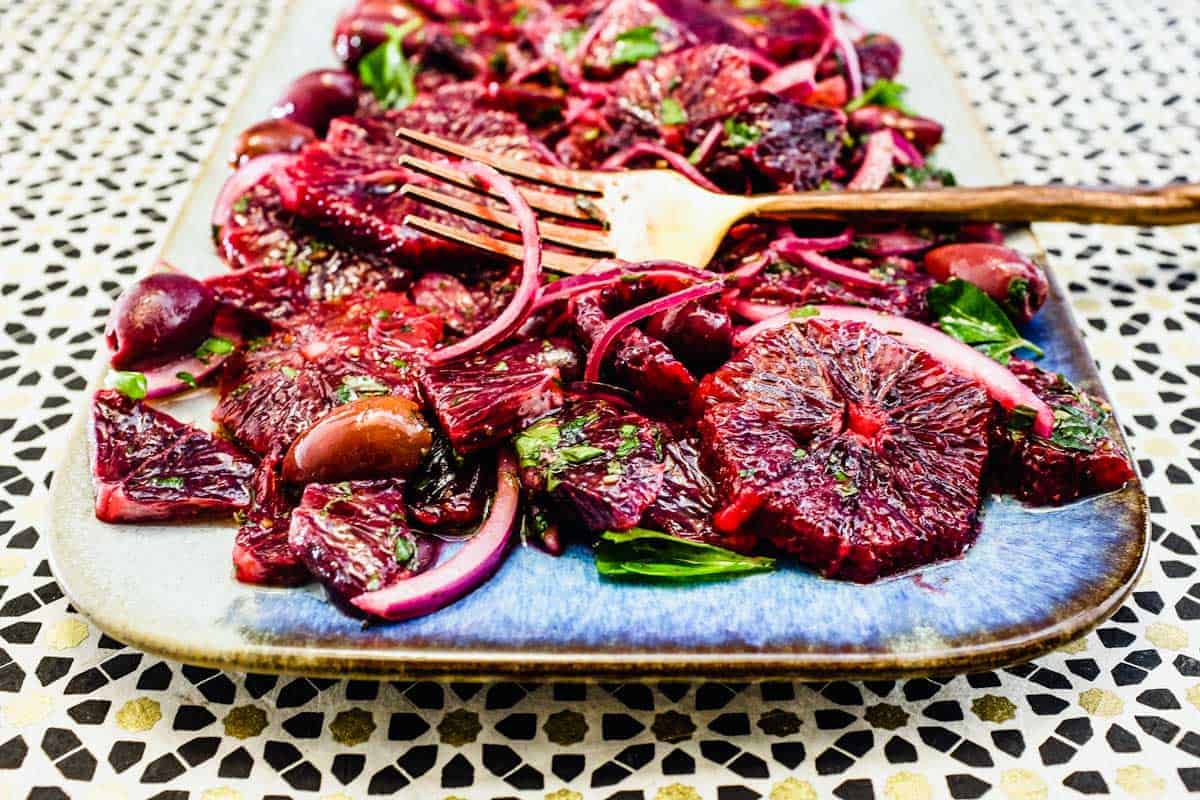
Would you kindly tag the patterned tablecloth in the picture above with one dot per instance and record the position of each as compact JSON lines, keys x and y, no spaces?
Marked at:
{"x":106,"y":107}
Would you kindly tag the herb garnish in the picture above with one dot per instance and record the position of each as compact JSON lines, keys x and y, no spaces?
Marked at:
{"x":969,"y":315}
{"x":356,"y":386}
{"x":635,"y":44}
{"x":739,"y":135}
{"x":213,"y":346}
{"x":882,"y":92}
{"x":916,"y":177}
{"x":171,"y":482}
{"x":646,"y":555}
{"x":387,"y":72}
{"x":671,"y":112}
{"x":568,"y":40}
{"x":1075,"y":429}
{"x":187,"y":378}
{"x":131,"y":384}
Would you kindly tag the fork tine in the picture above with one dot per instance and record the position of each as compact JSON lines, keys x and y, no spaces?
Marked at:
{"x":589,"y":239}
{"x":572,"y":180}
{"x":560,"y":205}
{"x":558,"y":262}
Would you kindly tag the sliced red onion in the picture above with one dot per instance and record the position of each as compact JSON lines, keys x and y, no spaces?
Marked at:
{"x":904,"y":151}
{"x":626,"y":318}
{"x":613,"y":395}
{"x":877,"y":163}
{"x":164,"y":380}
{"x":815,"y":244}
{"x":674,"y":160}
{"x":1003,"y":387}
{"x":892,"y":243}
{"x":589,"y":281}
{"x":828,"y":268}
{"x":794,"y":75}
{"x":472,"y":565}
{"x":705,"y":148}
{"x":243,"y":180}
{"x":521,"y":305}
{"x":849,"y":54}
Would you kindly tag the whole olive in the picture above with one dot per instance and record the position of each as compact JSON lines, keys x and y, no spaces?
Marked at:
{"x":372,"y":437}
{"x":363,"y":27}
{"x":317,"y":97}
{"x":1008,"y":277}
{"x":271,"y":136}
{"x":166,"y":313}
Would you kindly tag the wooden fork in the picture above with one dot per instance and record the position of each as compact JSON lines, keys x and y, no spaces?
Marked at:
{"x":646,"y":214}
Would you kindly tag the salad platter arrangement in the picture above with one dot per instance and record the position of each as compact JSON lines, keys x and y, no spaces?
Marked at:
{"x":326,"y":440}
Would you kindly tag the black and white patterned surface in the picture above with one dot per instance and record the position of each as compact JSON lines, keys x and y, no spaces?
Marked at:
{"x":106,"y":107}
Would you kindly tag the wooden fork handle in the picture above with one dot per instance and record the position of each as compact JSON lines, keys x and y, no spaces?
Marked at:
{"x":1178,"y":204}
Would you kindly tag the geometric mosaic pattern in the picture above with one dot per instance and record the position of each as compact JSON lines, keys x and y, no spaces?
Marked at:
{"x":106,"y":107}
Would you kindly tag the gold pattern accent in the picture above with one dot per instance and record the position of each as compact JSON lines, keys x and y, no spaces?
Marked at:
{"x":886,"y":716}
{"x":565,"y":727}
{"x":108,"y":791}
{"x":11,"y":564}
{"x":68,"y":632}
{"x":352,"y":727}
{"x":677,"y":791}
{"x":459,"y":727}
{"x":561,"y":794}
{"x":993,"y":708}
{"x":1101,"y":703}
{"x":907,"y":786}
{"x":140,"y":714}
{"x":27,"y":709}
{"x":1022,"y":784}
{"x":1140,"y":782}
{"x":245,"y":722}
{"x":1167,"y":636}
{"x":793,"y":789}
{"x":221,"y":793}
{"x":1193,"y":696}
{"x":1075,"y":647}
{"x":340,"y":796}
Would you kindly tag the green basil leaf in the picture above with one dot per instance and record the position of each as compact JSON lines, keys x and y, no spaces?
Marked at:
{"x":969,"y":315}
{"x":1075,"y":429}
{"x":213,"y":346}
{"x":131,"y":384}
{"x":387,"y":72}
{"x":882,"y":92}
{"x":634,"y":45}
{"x":536,"y":442}
{"x":671,"y":113}
{"x":646,"y":555}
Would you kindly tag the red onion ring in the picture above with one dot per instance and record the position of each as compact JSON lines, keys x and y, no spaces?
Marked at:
{"x":478,"y":559}
{"x":828,"y":268}
{"x":705,"y":148}
{"x":626,"y":318}
{"x":521,"y":305}
{"x":877,"y":162}
{"x":589,"y":281}
{"x":854,"y":79}
{"x":904,"y":151}
{"x":800,"y":244}
{"x":674,"y":160}
{"x":163,"y":380}
{"x":1001,"y":385}
{"x":245,"y":178}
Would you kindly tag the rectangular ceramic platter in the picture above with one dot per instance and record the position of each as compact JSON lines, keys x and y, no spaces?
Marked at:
{"x":1032,"y":581}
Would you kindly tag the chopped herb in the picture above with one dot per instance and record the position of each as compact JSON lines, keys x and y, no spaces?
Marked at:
{"x":804,"y":312}
{"x":213,"y":346}
{"x":591,"y":134}
{"x":969,"y":315}
{"x":916,"y":177}
{"x":172,"y":482}
{"x":634,"y":45}
{"x":498,"y":61}
{"x":131,"y":384}
{"x":671,"y":112}
{"x":739,"y":135}
{"x":520,"y":16}
{"x":382,"y":313}
{"x":615,"y":468}
{"x":257,"y":343}
{"x":405,"y":549}
{"x":646,"y":555}
{"x":574,"y":426}
{"x":536,"y":441}
{"x":569,"y":40}
{"x":1018,"y":293}
{"x":799,"y":454}
{"x":629,"y":440}
{"x":501,"y":366}
{"x":241,"y":205}
{"x":580,"y":453}
{"x":288,"y":372}
{"x":1075,"y":429}
{"x":461,"y":39}
{"x":882,"y":92}
{"x":387,"y":72}
{"x":241,"y":389}
{"x":187,"y":378}
{"x":356,"y":386}
{"x":399,"y":363}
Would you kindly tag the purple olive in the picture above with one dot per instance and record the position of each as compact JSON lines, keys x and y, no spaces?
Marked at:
{"x":271,"y":136}
{"x":1008,"y":277}
{"x":317,"y":97}
{"x":162,"y":314}
{"x":363,"y":27}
